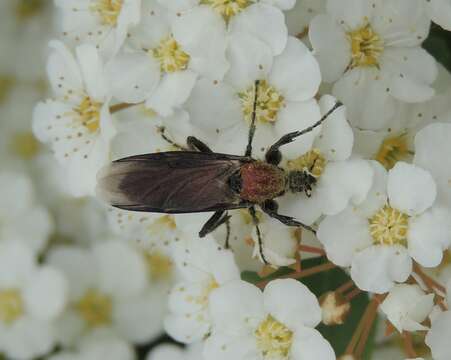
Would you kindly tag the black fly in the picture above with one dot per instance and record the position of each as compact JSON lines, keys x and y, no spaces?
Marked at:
{"x":200,"y":180}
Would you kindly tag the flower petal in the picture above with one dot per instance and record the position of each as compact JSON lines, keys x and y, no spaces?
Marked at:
{"x":310,"y":344}
{"x":291,"y":303}
{"x":410,"y":188}
{"x":377,"y":268}
{"x":265,"y":22}
{"x":429,"y":235}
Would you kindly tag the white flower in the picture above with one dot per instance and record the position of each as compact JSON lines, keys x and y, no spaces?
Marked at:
{"x":204,"y":266}
{"x":325,"y":156}
{"x":165,"y":55}
{"x":97,"y":348}
{"x":31,"y":298}
{"x":277,"y":324}
{"x":438,"y":336}
{"x":221,"y":112}
{"x":261,"y":19}
{"x":173,"y":352}
{"x":440,"y":12}
{"x":432,"y":150}
{"x":407,"y":306}
{"x":77,"y":122}
{"x":108,"y":291}
{"x":397,"y":222}
{"x":21,"y":219}
{"x":103,"y":23}
{"x":372,"y":49}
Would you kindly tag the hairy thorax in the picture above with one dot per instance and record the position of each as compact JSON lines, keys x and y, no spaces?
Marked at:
{"x":261,"y":181}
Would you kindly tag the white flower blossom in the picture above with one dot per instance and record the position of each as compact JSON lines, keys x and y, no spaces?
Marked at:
{"x":31,"y":298}
{"x":21,"y":219}
{"x":277,"y":324}
{"x":103,"y":23}
{"x":221,"y":112}
{"x":407,"y":306}
{"x":372,"y":50}
{"x":77,"y":123}
{"x":261,"y":19}
{"x":108,"y":292}
{"x":165,"y":54}
{"x":204,"y":266}
{"x":397,"y":222}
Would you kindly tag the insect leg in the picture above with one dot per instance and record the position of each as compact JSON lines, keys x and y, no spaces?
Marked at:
{"x":273,"y":155}
{"x":195,"y":144}
{"x":259,"y":236}
{"x":270,"y":207}
{"x":253,"y":118}
{"x":216,"y":220}
{"x":162,"y":130}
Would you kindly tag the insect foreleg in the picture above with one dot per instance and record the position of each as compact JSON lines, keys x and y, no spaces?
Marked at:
{"x":259,"y":235}
{"x":196,"y":144}
{"x":253,"y":119}
{"x":216,"y":220}
{"x":270,"y":207}
{"x":273,"y":155}
{"x":162,"y":131}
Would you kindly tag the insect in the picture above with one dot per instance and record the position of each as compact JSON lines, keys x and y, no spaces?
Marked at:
{"x":200,"y":180}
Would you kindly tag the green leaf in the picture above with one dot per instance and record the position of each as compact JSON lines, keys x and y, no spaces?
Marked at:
{"x":438,"y":44}
{"x":340,"y":335}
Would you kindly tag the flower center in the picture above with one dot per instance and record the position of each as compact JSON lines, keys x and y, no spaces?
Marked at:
{"x":107,"y":10}
{"x":25,"y":145}
{"x":269,"y":102}
{"x":11,"y":306}
{"x":389,"y":227}
{"x":159,"y":265}
{"x":274,"y":339}
{"x":89,"y":112}
{"x":6,"y":84}
{"x":227,"y":8}
{"x":29,"y":8}
{"x":312,"y":162}
{"x":366,"y":46}
{"x":392,"y":150}
{"x":95,"y":308}
{"x":171,"y":57}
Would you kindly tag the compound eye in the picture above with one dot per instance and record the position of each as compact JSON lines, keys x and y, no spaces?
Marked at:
{"x":274,"y":157}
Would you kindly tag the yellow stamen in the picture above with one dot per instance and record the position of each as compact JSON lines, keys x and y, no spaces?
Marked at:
{"x":312,"y":161}
{"x":269,"y":102}
{"x":171,"y":57}
{"x":366,"y":46}
{"x":392,"y":150}
{"x":159,"y":266}
{"x":28,"y":8}
{"x":227,"y":8}
{"x":11,"y":306}
{"x":25,"y":145}
{"x":389,"y":226}
{"x":89,"y":111}
{"x":6,"y":84}
{"x":274,"y":339}
{"x":95,"y":308}
{"x":107,"y":10}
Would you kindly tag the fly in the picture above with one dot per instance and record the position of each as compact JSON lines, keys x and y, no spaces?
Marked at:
{"x":200,"y":180}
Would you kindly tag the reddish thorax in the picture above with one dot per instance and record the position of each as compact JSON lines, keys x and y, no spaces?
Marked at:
{"x":261,"y":181}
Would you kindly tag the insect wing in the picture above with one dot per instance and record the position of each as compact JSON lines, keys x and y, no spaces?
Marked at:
{"x":170,"y":182}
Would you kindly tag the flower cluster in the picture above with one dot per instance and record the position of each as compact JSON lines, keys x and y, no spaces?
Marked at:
{"x":346,"y":89}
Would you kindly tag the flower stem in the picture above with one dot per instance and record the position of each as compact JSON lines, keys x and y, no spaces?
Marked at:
{"x":311,"y":249}
{"x":302,"y":274}
{"x":408,"y":344}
